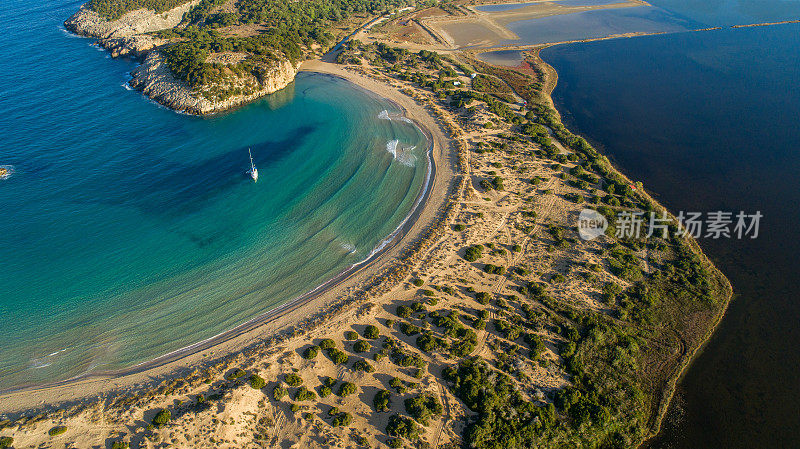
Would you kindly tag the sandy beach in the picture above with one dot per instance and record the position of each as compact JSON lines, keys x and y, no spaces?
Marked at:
{"x":487,"y":268}
{"x":261,"y":331}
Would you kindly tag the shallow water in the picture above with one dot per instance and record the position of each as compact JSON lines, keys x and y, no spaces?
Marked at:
{"x":502,"y":7}
{"x":130,"y":231}
{"x":509,"y":58}
{"x":594,"y":24}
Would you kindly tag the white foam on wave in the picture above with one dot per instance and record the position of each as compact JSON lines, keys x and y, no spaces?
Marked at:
{"x":402,"y":155}
{"x":399,"y":227}
{"x":384,"y":115}
{"x":9,"y":171}
{"x":69,"y":33}
{"x":44,"y":362}
{"x":391,"y":146}
{"x":349,"y":247}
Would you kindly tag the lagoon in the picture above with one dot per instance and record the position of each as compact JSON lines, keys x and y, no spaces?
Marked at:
{"x":708,"y":121}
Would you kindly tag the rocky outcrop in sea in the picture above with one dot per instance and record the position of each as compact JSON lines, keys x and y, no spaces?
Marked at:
{"x":156,"y":81}
{"x":129,"y":36}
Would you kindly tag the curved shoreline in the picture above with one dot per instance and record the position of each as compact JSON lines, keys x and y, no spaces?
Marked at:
{"x":688,"y":356}
{"x":402,"y":236}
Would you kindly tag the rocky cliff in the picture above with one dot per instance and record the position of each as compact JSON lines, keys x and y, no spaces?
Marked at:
{"x":155,"y":80}
{"x":127,"y":36}
{"x":88,"y":23}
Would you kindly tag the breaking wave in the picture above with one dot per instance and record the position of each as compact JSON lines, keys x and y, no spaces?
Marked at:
{"x":384,"y":115}
{"x":402,"y":155}
{"x":44,"y":362}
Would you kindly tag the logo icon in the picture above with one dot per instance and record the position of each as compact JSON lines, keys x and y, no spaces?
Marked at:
{"x":591,"y":224}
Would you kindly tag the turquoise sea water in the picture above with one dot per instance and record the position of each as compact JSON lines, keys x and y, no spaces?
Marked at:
{"x":129,"y":231}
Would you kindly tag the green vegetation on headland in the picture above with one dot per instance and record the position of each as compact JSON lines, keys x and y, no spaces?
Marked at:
{"x":114,"y":9}
{"x":273,"y":31}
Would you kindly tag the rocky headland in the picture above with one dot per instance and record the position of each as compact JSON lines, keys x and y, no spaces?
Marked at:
{"x":133,"y":35}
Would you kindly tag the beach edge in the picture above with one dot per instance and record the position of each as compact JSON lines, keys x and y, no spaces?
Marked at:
{"x":265,"y":330}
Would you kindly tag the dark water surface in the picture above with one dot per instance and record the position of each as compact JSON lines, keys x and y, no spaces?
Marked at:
{"x":709,"y":121}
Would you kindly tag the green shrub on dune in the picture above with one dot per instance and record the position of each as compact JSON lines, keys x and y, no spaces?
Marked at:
{"x":304,"y":394}
{"x":363,"y":365}
{"x":338,"y":357}
{"x":342,"y":419}
{"x":327,"y":344}
{"x":162,"y":417}
{"x":361,"y":346}
{"x":473,"y":253}
{"x":310,"y":352}
{"x":422,"y":407}
{"x":404,"y":311}
{"x":347,"y":389}
{"x":235,"y":374}
{"x":381,"y":401}
{"x":57,"y":430}
{"x":371,"y":332}
{"x":402,"y":427}
{"x":278,"y":393}
{"x":293,"y":380}
{"x":325,"y":391}
{"x":257,"y":382}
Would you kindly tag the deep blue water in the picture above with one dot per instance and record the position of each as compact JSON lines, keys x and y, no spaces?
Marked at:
{"x":709,"y":121}
{"x":731,"y":12}
{"x":129,"y":231}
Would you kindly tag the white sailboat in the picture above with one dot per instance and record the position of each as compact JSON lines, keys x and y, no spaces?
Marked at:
{"x":253,"y":170}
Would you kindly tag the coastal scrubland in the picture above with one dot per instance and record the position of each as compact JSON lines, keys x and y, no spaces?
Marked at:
{"x":501,"y":327}
{"x":224,"y":49}
{"x":497,"y":327}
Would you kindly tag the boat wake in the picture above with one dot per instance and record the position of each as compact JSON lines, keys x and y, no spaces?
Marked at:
{"x":6,"y":171}
{"x":402,"y":155}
